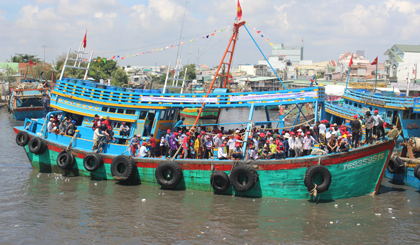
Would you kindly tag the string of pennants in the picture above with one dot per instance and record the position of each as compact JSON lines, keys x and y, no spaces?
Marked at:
{"x":122,"y":57}
{"x":267,"y":40}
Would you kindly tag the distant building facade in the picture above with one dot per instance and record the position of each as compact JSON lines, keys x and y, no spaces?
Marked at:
{"x":403,"y":62}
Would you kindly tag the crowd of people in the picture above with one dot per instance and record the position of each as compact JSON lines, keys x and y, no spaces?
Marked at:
{"x":264,"y":143}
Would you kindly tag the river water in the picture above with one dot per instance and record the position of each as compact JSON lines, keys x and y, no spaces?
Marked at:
{"x":40,"y":209}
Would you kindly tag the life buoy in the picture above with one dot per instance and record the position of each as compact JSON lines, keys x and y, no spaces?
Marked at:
{"x":417,"y":171}
{"x":22,"y":138}
{"x":92,"y":162}
{"x":314,"y":171}
{"x":37,"y":146}
{"x":240,"y":175}
{"x":219,"y":180}
{"x":122,"y":168}
{"x":65,"y":160}
{"x":396,"y":166}
{"x":168,"y":175}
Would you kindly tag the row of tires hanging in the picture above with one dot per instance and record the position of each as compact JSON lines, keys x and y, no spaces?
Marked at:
{"x":243,"y":177}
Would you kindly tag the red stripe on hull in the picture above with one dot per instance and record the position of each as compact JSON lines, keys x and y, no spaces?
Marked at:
{"x":19,"y":109}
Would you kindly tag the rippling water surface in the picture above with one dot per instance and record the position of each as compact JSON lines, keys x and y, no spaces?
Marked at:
{"x":40,"y":209}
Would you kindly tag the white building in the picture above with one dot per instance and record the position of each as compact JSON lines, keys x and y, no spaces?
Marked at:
{"x":249,"y":69}
{"x":344,"y":60}
{"x":403,"y":61}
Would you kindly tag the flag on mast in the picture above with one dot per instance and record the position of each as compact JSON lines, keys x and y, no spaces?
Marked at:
{"x":375,"y":62}
{"x":84,"y":40}
{"x":351,"y":60}
{"x":239,"y":11}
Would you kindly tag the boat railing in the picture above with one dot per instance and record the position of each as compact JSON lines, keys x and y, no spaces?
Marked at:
{"x":348,"y":111}
{"x":304,"y":95}
{"x":379,"y":99}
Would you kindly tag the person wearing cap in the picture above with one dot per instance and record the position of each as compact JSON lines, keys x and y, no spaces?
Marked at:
{"x":280,"y":151}
{"x":221,"y":154}
{"x":209,"y":147}
{"x":308,"y":140}
{"x":217,"y":141}
{"x":152,"y":144}
{"x":356,"y":129}
{"x":203,"y":144}
{"x":143,"y":152}
{"x":332,"y":144}
{"x":71,"y":128}
{"x":343,"y":144}
{"x":124,"y":130}
{"x":266,"y":150}
{"x":237,"y":153}
{"x":173,"y":145}
{"x":378,"y":128}
{"x":185,"y":146}
{"x":231,"y":146}
{"x":50,"y":125}
{"x":298,"y":145}
{"x":369,"y":123}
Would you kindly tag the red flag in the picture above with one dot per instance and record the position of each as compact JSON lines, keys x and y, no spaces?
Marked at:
{"x":239,"y":11}
{"x":84,"y":40}
{"x":375,"y":61}
{"x":351,"y":60}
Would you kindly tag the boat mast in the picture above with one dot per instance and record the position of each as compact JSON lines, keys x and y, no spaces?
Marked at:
{"x":232,"y":40}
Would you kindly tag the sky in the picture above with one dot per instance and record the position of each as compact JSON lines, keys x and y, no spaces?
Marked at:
{"x":132,"y":27}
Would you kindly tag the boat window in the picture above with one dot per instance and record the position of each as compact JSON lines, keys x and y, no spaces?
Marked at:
{"x":406,"y":114}
{"x":413,"y":115}
{"x":172,"y":115}
{"x":350,"y":103}
{"x":143,"y":114}
{"x":113,"y":110}
{"x":132,"y":112}
{"x":360,"y":105}
{"x":389,"y":114}
{"x":162,"y":115}
{"x":117,"y":124}
{"x":346,"y":102}
{"x":104,"y":108}
{"x":355,"y":104}
{"x":121,"y":111}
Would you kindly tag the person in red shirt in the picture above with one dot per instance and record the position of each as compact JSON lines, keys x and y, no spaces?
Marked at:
{"x":152,"y":143}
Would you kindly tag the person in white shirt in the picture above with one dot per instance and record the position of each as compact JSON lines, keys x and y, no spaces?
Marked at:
{"x":143,"y":150}
{"x":221,"y":153}
{"x":124,"y":130}
{"x":231,"y":145}
{"x":291,"y":142}
{"x":50,"y":125}
{"x":322,"y":131}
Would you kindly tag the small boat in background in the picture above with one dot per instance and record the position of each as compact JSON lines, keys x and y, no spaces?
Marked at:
{"x":26,"y":100}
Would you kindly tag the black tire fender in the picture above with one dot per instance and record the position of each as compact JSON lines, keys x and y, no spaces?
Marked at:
{"x":168,"y":175}
{"x":310,"y":174}
{"x":22,"y":138}
{"x":237,"y":177}
{"x":37,"y":146}
{"x":122,"y":168}
{"x":219,"y":180}
{"x":92,"y":162}
{"x":417,"y":171}
{"x":65,"y":160}
{"x":394,"y":166}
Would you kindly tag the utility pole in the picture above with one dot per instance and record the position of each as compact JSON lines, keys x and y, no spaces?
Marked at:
{"x":44,"y":51}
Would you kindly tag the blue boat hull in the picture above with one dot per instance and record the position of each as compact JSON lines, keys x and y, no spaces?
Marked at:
{"x":406,"y":178}
{"x":22,"y":114}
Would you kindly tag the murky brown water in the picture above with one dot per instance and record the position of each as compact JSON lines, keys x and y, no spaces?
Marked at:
{"x":38,"y":209}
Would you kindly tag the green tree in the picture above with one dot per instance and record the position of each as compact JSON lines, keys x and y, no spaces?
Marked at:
{"x":119,"y":78}
{"x":7,"y":76}
{"x":102,"y":69}
{"x":191,"y":75}
{"x":24,"y":58}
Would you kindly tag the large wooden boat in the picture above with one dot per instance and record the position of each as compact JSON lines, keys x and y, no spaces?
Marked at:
{"x":330,"y":176}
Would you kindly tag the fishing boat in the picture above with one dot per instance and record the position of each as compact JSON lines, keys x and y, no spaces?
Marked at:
{"x":26,"y":100}
{"x":325,"y":177}
{"x":394,"y":110}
